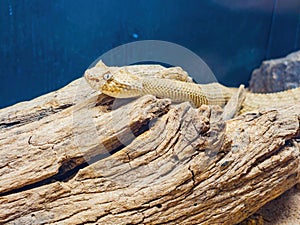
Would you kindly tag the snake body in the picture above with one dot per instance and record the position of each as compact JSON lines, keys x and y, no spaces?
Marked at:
{"x":120,"y":83}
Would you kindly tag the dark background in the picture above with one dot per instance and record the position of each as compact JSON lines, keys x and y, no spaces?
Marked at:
{"x":46,"y":44}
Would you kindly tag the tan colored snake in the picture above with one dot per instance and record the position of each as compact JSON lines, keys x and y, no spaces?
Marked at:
{"x":174,"y":83}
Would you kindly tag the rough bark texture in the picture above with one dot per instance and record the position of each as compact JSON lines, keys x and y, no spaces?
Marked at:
{"x":272,"y":76}
{"x":73,"y":157}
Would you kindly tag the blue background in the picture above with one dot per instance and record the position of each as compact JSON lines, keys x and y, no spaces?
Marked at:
{"x":44,"y":45}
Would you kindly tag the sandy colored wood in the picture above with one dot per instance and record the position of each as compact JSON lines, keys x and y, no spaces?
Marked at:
{"x":148,"y":162}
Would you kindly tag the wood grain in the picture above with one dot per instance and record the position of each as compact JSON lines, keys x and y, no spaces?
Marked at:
{"x":101,"y":161}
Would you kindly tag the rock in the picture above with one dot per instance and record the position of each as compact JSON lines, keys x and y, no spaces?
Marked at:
{"x":277,"y":75}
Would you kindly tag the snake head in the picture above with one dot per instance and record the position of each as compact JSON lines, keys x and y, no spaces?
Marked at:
{"x":117,"y":82}
{"x":97,"y":76}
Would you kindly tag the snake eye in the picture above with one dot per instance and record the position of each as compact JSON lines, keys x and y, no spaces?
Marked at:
{"x":107,"y":76}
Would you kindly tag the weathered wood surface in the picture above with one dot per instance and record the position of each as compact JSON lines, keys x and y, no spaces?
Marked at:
{"x":272,"y":76}
{"x":71,"y":157}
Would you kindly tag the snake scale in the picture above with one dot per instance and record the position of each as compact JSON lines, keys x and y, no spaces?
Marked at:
{"x":174,"y":83}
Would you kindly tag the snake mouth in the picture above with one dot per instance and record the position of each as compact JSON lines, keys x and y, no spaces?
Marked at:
{"x":90,"y":78}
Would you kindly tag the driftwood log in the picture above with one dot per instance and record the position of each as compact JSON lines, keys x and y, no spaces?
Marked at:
{"x":76,"y":157}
